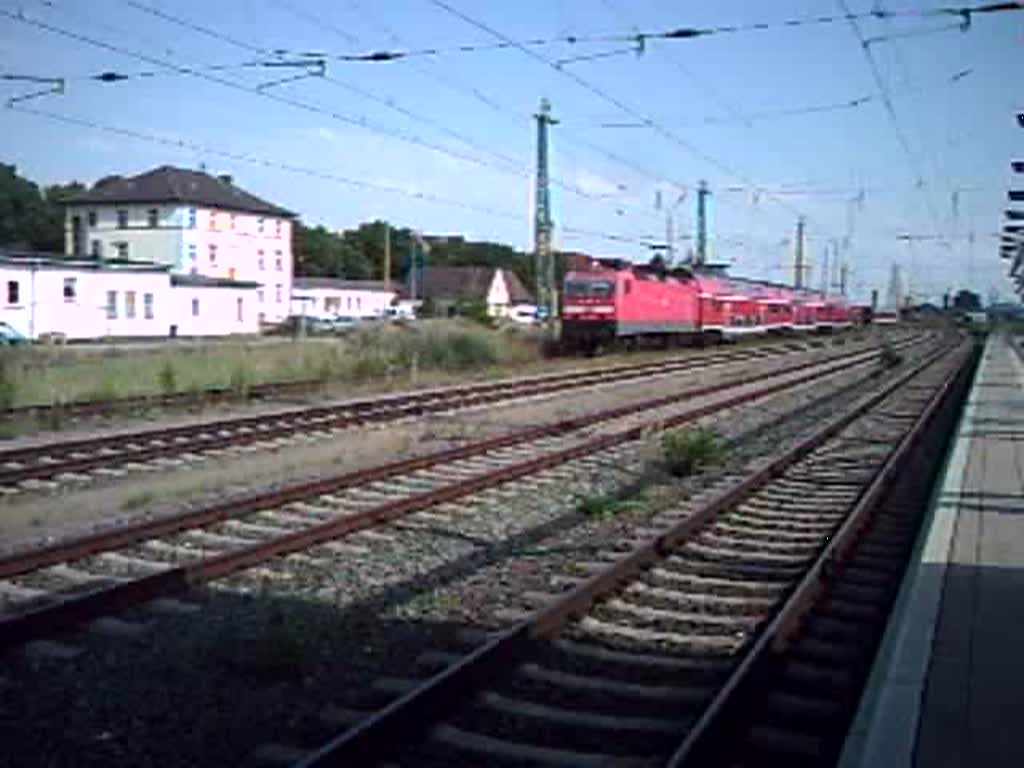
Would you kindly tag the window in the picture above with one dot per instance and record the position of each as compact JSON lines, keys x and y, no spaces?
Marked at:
{"x":278,"y":261}
{"x":359,"y":302}
{"x":129,"y":304}
{"x":191,"y":218}
{"x":13,"y":291}
{"x":232,"y":221}
{"x":194,"y":270}
{"x":238,"y":308}
{"x":192,"y":253}
{"x":259,"y":224}
{"x":147,"y":306}
{"x":348,"y":302}
{"x":77,"y":236}
{"x":213,"y":254}
{"x":70,"y":288}
{"x":262,"y":263}
{"x":277,"y":293}
{"x":259,"y":296}
{"x":213,"y":219}
{"x":122,"y":218}
{"x":195,"y":307}
{"x":262,"y":317}
{"x":589,"y":288}
{"x":92,"y":218}
{"x":153,"y":218}
{"x":277,"y":226}
{"x":122,"y":250}
{"x":96,"y":248}
{"x":111,"y":305}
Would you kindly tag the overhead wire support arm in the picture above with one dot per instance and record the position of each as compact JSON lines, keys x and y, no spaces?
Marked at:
{"x":56,"y":87}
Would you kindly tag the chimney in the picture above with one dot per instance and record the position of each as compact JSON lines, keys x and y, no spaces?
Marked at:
{"x":226,"y":179}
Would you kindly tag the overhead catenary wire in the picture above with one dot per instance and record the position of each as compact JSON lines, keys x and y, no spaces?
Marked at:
{"x":357,"y":121}
{"x":257,"y":160}
{"x":639,"y":40}
{"x":610,"y":99}
{"x":565,"y":135}
{"x":514,"y":166}
{"x":890,"y":110}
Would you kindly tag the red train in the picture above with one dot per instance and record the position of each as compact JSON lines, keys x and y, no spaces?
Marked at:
{"x":608,"y":302}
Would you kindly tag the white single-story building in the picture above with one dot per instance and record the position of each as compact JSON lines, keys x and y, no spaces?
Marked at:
{"x":331,"y":296}
{"x":45,"y":294}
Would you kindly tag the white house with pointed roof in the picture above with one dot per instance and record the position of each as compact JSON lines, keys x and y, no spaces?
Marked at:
{"x":193,"y":223}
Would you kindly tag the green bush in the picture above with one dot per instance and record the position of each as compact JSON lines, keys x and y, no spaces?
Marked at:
{"x":241,"y":380}
{"x":687,"y":451}
{"x":599,"y":505}
{"x":889,"y":357}
{"x":477,"y":312}
{"x":167,"y":378}
{"x":8,"y":381}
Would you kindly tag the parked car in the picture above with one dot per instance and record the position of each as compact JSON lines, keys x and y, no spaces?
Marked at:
{"x":342,"y":323}
{"x":9,"y":337}
{"x":525,"y":314}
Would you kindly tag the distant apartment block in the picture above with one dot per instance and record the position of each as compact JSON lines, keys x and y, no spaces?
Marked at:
{"x":194,"y":224}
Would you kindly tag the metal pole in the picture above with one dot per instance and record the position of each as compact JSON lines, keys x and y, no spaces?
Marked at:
{"x":798,"y":264}
{"x":387,"y":256}
{"x":702,"y":222}
{"x":669,"y":238}
{"x":544,"y":266}
{"x":412,"y":267}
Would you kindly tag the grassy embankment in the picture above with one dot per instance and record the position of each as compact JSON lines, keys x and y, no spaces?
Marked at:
{"x":375,"y":353}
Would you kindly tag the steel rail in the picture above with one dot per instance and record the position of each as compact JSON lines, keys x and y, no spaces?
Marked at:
{"x":779,"y":635}
{"x":17,"y":563}
{"x":210,"y":435}
{"x":49,"y":619}
{"x":413,"y":712}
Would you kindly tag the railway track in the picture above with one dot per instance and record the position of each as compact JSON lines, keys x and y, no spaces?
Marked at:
{"x":57,"y":586}
{"x":75,"y":459}
{"x":660,"y":656}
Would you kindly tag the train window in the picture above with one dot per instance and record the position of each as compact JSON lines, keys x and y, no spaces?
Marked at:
{"x":629,"y":286}
{"x":588,"y":288}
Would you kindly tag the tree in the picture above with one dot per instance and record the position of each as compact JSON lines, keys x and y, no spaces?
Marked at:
{"x":322,"y":253}
{"x":23,"y":212}
{"x":967,"y":301}
{"x":31,"y":218}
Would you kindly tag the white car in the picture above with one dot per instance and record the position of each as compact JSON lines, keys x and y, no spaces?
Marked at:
{"x":525,"y":314}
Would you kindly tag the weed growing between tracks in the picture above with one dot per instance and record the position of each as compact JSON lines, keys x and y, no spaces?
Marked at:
{"x":688,"y":451}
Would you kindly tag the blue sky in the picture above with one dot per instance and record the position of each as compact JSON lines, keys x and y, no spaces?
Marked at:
{"x":457,"y":127}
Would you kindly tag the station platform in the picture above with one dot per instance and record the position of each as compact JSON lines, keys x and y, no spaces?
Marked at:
{"x":947,"y":687}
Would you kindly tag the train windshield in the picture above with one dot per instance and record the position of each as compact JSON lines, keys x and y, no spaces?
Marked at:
{"x":589,"y":288}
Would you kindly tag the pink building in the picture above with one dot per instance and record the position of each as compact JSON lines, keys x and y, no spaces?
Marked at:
{"x":194,"y":224}
{"x":72,"y":298}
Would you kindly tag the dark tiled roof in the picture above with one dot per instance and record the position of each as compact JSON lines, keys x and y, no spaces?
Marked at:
{"x":338,"y":283}
{"x":167,"y":184}
{"x":466,"y":284}
{"x":205,"y":281}
{"x":456,"y":283}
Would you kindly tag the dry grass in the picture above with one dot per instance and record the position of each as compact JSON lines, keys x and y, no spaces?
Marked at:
{"x":41,"y":375}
